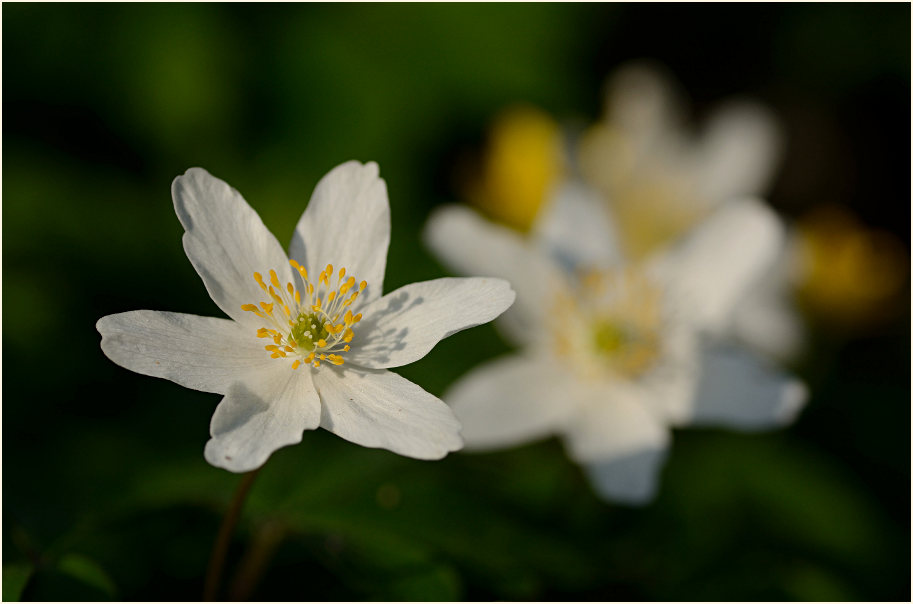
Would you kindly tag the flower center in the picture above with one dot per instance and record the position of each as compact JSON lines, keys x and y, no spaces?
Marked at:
{"x":614,"y":325}
{"x":313,"y":324}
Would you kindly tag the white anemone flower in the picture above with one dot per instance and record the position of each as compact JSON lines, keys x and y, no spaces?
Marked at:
{"x":311,"y":338}
{"x":614,"y":354}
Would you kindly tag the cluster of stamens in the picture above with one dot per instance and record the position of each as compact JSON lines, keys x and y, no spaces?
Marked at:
{"x":615,"y":320}
{"x":314,"y":324}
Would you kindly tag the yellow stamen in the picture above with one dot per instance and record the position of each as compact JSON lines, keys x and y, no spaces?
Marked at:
{"x":342,"y":273}
{"x":274,"y":279}
{"x":259,"y":279}
{"x":296,"y":364}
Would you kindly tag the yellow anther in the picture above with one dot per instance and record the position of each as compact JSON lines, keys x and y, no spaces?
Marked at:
{"x":290,"y":288}
{"x":271,"y":347}
{"x":321,"y":342}
{"x":345,"y":348}
{"x":348,"y":335}
{"x":274,"y":279}
{"x":267,"y":307}
{"x":263,"y":333}
{"x":342,"y":273}
{"x":363,"y":285}
{"x":347,"y":285}
{"x":294,"y":263}
{"x":249,"y":307}
{"x":348,"y":317}
{"x":288,"y":349}
{"x":329,"y":270}
{"x":332,"y":296}
{"x":297,"y":297}
{"x":356,"y":318}
{"x":288,"y":313}
{"x":335,"y":359}
{"x":310,"y":288}
{"x":259,"y":279}
{"x":295,"y":364}
{"x":275,"y":355}
{"x":309,"y":358}
{"x":316,"y":364}
{"x":323,"y":357}
{"x":277,"y":339}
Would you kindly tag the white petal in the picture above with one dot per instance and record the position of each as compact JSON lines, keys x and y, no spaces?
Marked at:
{"x":644,"y":102}
{"x":226,"y":242}
{"x":767,"y":318}
{"x":619,"y":441}
{"x":614,"y":421}
{"x":203,"y":353}
{"x":470,"y":245}
{"x":406,"y":324}
{"x":576,"y":228}
{"x":669,"y":385}
{"x":738,"y":389}
{"x":510,"y":401}
{"x":708,"y":272}
{"x":631,"y":479}
{"x":381,"y":409}
{"x":738,"y":152}
{"x":347,"y":224}
{"x":260,"y":415}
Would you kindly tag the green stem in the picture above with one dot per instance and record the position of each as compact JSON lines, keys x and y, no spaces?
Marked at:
{"x":220,"y":548}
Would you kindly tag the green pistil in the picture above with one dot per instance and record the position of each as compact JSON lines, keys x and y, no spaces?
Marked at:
{"x":610,"y":338}
{"x":303,"y":325}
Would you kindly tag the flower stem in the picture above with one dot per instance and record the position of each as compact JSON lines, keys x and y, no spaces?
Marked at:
{"x":220,"y":548}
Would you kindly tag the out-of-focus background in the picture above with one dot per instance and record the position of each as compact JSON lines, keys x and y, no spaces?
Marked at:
{"x":105,"y":491}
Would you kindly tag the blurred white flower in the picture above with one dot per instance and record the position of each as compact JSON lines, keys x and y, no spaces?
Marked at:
{"x":615,"y":353}
{"x":306,"y":345}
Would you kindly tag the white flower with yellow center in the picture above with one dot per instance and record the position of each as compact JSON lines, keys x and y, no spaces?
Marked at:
{"x":614,"y":354}
{"x":310,"y":339}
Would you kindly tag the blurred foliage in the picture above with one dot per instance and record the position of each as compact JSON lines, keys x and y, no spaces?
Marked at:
{"x":106,"y":493}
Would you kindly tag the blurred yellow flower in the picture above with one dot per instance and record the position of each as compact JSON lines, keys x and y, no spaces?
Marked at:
{"x":521,"y":164}
{"x":848,"y":274}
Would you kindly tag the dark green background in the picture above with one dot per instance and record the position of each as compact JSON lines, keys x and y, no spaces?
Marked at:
{"x":105,"y":490}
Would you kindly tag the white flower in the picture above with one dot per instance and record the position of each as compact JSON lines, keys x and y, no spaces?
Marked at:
{"x":310,"y":339}
{"x":615,"y":355}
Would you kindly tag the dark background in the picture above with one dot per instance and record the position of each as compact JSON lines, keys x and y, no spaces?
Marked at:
{"x":105,"y":491}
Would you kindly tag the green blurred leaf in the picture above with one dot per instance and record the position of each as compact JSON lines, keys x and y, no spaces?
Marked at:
{"x":15,"y":576}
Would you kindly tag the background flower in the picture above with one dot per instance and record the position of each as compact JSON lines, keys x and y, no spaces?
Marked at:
{"x":614,"y":353}
{"x":102,"y":103}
